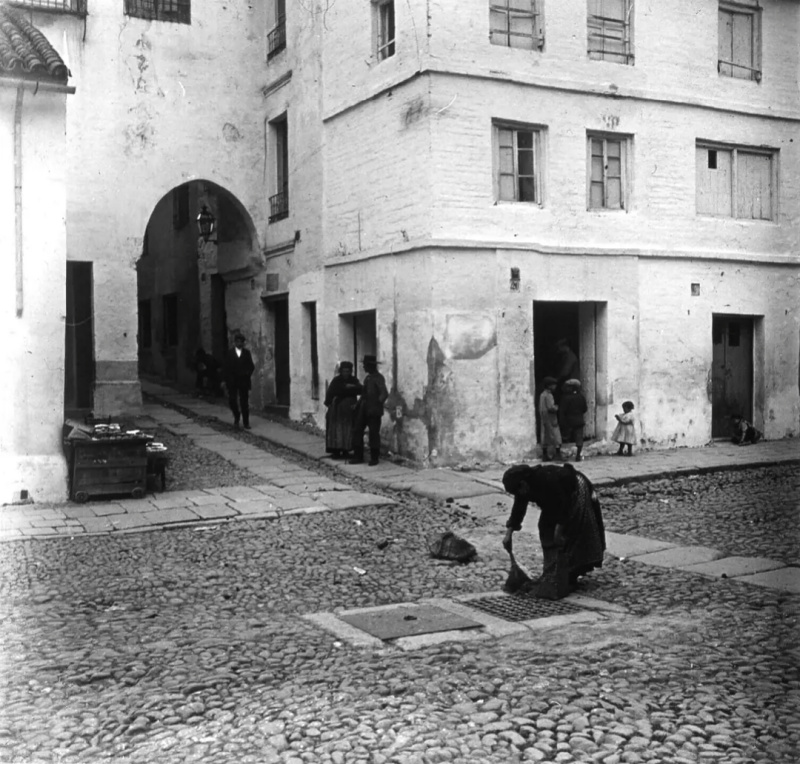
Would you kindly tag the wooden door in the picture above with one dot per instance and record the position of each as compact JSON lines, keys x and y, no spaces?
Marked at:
{"x":79,"y":368}
{"x":280,"y":310}
{"x":731,"y":372}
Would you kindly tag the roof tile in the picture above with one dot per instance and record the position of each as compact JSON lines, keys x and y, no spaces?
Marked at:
{"x":25,"y":52}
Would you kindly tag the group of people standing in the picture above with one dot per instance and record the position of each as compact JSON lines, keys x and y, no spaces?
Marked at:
{"x":562,"y":410}
{"x":354,"y":407}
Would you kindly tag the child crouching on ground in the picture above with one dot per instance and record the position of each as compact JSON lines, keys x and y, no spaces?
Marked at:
{"x":625,"y":431}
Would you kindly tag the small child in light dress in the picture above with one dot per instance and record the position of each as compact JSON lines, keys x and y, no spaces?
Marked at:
{"x":625,"y":431}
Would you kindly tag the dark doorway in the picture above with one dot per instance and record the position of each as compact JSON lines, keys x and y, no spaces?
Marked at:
{"x":219,"y":318}
{"x":582,"y":325}
{"x":79,"y":340}
{"x":310,"y":309}
{"x":357,"y":337}
{"x":553,"y":321}
{"x":280,"y":317}
{"x":731,"y":372}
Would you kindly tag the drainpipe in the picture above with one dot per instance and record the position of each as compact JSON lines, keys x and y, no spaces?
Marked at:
{"x":18,"y":195}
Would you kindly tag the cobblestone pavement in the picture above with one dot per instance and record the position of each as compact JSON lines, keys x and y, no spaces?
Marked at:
{"x":190,"y":644}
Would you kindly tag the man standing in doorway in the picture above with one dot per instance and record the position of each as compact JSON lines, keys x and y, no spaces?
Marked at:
{"x":239,"y":367}
{"x":369,"y":412}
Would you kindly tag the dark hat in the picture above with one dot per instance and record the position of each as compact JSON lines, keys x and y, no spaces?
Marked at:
{"x":547,"y":381}
{"x":370,"y":359}
{"x":346,"y":365}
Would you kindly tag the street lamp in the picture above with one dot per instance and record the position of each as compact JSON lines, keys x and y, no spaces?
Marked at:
{"x":206,"y":223}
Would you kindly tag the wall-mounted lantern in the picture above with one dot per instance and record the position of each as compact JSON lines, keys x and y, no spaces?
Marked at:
{"x":206,"y":223}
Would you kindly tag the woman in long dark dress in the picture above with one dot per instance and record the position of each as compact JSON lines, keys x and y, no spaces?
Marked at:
{"x":340,"y":398}
{"x":571,"y":529}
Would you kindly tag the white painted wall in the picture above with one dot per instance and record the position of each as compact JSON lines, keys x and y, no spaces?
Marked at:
{"x":31,"y":455}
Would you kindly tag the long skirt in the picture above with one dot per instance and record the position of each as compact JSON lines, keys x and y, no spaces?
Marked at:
{"x":339,"y":424}
{"x":583,"y":548}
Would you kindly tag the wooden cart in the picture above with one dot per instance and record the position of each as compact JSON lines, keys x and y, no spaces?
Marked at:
{"x":108,"y":466}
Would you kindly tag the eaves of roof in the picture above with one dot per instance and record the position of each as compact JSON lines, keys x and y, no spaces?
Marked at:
{"x":25,"y":53}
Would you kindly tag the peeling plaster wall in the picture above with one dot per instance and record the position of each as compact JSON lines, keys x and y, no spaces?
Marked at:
{"x":156,"y":104}
{"x":31,"y":452}
{"x":675,"y":405}
{"x":413,"y":231}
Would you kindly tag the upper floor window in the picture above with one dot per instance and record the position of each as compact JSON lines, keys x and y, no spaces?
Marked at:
{"x":516,"y":24}
{"x":518,"y":153}
{"x":609,"y":29}
{"x":608,"y":172}
{"x":276,"y":39}
{"x":383,"y":25}
{"x":64,"y":6}
{"x":740,"y":41}
{"x":736,"y":182}
{"x":279,"y":201}
{"x":178,"y":11}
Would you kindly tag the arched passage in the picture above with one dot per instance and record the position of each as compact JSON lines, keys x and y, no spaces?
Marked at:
{"x":186,"y":287}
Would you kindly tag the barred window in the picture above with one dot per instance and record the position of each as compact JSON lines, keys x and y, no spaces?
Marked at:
{"x":177,"y":11}
{"x":516,"y":24}
{"x":64,"y":6}
{"x":609,"y":27}
{"x":739,"y":41}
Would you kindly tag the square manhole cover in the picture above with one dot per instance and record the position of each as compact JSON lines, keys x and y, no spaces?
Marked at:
{"x":407,"y":621}
{"x":521,"y":607}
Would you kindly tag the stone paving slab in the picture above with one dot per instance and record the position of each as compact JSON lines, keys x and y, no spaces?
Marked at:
{"x":734,"y":567}
{"x":489,"y":506}
{"x":785,"y":579}
{"x":439,"y":489}
{"x":623,"y":545}
{"x":169,"y":516}
{"x":351,"y":499}
{"x":680,"y":556}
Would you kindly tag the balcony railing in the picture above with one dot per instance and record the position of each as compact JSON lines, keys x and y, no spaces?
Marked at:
{"x":279,"y":206}
{"x":77,"y":7}
{"x":276,"y":39}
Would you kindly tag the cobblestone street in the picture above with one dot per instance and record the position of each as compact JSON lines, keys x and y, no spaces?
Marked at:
{"x":192,"y":644}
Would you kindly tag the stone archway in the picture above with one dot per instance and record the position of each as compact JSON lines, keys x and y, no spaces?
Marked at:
{"x":187,"y":287}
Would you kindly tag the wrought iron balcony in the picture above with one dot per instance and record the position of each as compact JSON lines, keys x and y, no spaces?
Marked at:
{"x":276,"y":39}
{"x":279,"y":206}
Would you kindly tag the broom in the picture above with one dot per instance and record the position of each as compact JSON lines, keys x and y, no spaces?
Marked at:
{"x":518,"y":580}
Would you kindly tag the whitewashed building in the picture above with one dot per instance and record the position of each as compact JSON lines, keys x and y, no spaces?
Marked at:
{"x":622,"y":174}
{"x":453,"y":187}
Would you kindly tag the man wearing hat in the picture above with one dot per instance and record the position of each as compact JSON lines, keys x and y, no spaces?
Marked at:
{"x":369,"y":413}
{"x":239,"y":367}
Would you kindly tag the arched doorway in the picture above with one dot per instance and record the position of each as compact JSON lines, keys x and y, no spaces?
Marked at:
{"x":192,"y":294}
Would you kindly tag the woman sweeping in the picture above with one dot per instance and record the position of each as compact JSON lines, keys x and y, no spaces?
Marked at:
{"x":341,"y":398}
{"x":571,"y":529}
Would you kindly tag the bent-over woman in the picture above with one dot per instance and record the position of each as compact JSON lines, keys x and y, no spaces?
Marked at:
{"x":571,"y":529}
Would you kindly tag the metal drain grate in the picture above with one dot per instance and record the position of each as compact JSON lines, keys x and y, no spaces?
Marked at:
{"x":521,"y":607}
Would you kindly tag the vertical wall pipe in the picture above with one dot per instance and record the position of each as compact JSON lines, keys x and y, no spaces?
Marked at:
{"x":18,"y":196}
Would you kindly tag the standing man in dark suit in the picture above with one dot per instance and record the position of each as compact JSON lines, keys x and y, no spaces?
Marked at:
{"x":369,"y":412}
{"x":239,"y":367}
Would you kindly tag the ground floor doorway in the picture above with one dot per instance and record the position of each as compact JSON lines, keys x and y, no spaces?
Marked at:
{"x":570,"y":337}
{"x":731,"y":371}
{"x":79,"y":370}
{"x":278,"y":310}
{"x":358,"y":337}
